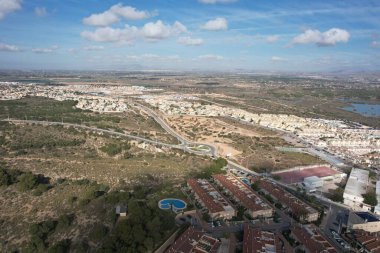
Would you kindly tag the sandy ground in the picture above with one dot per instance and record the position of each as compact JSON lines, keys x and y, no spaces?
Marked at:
{"x":211,"y":131}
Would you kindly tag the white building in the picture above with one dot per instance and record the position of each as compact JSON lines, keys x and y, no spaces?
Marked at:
{"x":356,"y":186}
{"x":311,"y":184}
{"x":377,"y":208}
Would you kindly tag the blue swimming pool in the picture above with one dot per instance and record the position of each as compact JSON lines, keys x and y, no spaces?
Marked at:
{"x":174,"y":204}
{"x":246,"y":181}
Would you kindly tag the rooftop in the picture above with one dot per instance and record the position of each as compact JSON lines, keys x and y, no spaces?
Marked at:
{"x":241,"y":191}
{"x":210,"y":197}
{"x":193,"y":240}
{"x":357,"y":183}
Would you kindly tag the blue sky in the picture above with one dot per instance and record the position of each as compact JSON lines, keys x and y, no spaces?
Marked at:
{"x":225,"y":35}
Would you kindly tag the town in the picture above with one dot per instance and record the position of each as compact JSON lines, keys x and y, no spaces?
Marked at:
{"x":331,"y":206}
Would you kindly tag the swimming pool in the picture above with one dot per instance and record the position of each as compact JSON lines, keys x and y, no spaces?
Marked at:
{"x":174,"y":204}
{"x":246,"y":181}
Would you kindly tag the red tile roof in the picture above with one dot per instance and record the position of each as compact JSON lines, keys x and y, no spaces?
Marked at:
{"x":296,"y":206}
{"x":256,"y":240}
{"x":313,"y":240}
{"x":194,"y":241}
{"x":247,"y":197}
{"x":214,"y":203}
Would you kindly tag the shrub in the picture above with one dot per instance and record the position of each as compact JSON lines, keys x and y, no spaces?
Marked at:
{"x":27,"y":181}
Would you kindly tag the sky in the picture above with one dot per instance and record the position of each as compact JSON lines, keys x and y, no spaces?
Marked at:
{"x":190,"y":35}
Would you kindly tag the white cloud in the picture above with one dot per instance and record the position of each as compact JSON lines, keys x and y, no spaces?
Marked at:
{"x":152,"y":57}
{"x":210,"y":57}
{"x":375,"y":44}
{"x":272,"y":39}
{"x":8,"y":6}
{"x":40,"y":11}
{"x":8,"y":48}
{"x":150,"y":31}
{"x":328,"y":38}
{"x":93,"y":48}
{"x":45,"y":50}
{"x":113,"y":15}
{"x":109,"y":34}
{"x":277,"y":59}
{"x":188,"y":41}
{"x":217,"y":24}
{"x":128,"y":12}
{"x":216,"y":1}
{"x":159,"y":30}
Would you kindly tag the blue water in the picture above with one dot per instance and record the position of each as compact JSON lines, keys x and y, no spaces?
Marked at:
{"x":176,"y":203}
{"x":367,"y":110}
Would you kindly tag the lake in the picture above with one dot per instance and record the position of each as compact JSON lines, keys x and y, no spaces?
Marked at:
{"x":367,"y":110}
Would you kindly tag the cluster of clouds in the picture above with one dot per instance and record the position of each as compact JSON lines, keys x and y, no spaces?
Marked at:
{"x":328,"y":38}
{"x":9,"y":48}
{"x":114,"y":14}
{"x":151,"y":31}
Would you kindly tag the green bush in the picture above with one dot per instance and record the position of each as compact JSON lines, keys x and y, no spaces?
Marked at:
{"x":64,"y":221}
{"x":98,"y":232}
{"x":40,"y":189}
{"x":61,"y":247}
{"x":27,"y":181}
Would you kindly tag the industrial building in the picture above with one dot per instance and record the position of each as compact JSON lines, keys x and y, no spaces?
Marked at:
{"x":356,"y":186}
{"x":312,"y":184}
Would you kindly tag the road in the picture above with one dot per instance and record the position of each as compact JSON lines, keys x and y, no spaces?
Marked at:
{"x":212,"y":150}
{"x":161,"y":122}
{"x":185,"y":147}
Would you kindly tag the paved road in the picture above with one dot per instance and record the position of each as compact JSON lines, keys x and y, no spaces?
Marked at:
{"x":153,"y":142}
{"x":212,"y":150}
{"x":162,"y":122}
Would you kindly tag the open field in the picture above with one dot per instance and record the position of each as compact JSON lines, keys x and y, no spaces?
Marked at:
{"x":65,"y":152}
{"x":37,"y":108}
{"x":71,"y":160}
{"x":261,"y":155}
{"x":215,"y":131}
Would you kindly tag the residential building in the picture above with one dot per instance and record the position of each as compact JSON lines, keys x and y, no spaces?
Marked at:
{"x":243,"y":194}
{"x":216,"y":205}
{"x":312,"y":240}
{"x":194,"y":241}
{"x":257,"y":240}
{"x":295,"y":206}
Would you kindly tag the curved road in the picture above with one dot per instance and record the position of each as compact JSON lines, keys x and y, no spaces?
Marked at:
{"x":212,"y":151}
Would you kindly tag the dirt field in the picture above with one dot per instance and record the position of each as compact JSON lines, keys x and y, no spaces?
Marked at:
{"x":215,"y":131}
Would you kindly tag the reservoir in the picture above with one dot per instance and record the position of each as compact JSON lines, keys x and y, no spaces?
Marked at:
{"x":368,"y":110}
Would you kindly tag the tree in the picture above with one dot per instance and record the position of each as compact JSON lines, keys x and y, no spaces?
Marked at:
{"x":337,"y":195}
{"x":4,"y":178}
{"x":370,"y":198}
{"x":255,"y":186}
